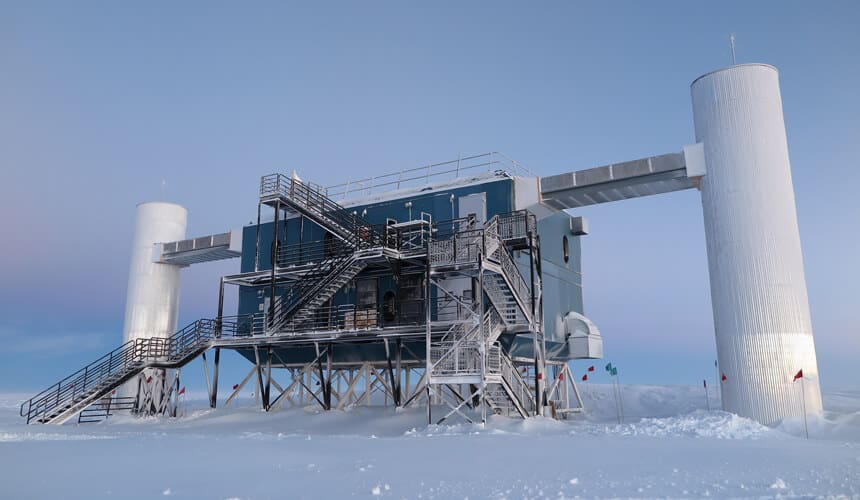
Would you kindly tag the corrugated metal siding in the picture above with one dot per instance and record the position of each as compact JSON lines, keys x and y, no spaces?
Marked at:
{"x":758,"y":289}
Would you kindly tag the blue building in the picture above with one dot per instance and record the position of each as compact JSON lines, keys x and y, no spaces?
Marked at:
{"x":451,"y":285}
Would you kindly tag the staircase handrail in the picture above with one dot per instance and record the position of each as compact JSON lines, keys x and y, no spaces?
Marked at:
{"x":308,"y":289}
{"x":133,"y":354}
{"x":518,"y":386}
{"x":493,"y":325}
{"x":58,"y":390}
{"x":519,"y":287}
{"x":349,"y":226}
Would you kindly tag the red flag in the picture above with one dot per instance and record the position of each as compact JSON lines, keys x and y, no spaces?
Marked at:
{"x":798,"y":375}
{"x":591,"y":368}
{"x":585,"y":377}
{"x":724,"y":378}
{"x":113,"y":391}
{"x":182,"y":391}
{"x":561,"y":376}
{"x":149,"y":379}
{"x":540,"y":376}
{"x":235,"y":386}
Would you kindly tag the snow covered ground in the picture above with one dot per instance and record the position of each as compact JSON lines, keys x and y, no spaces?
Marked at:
{"x":668,"y":446}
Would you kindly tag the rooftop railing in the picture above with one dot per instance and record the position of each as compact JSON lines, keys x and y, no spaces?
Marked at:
{"x":421,"y":176}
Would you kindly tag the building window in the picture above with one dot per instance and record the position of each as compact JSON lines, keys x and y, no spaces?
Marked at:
{"x":565,"y":249}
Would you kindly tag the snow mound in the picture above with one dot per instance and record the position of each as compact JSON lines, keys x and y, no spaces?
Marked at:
{"x":830,"y":426}
{"x":496,"y":425}
{"x":698,"y":424}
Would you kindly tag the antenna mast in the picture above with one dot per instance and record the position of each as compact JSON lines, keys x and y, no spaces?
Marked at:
{"x":732,"y":43}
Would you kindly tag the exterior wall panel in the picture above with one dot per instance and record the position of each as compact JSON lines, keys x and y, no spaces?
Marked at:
{"x":758,"y":290}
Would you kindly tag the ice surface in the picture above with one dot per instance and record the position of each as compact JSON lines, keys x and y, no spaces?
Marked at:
{"x":667,"y":446}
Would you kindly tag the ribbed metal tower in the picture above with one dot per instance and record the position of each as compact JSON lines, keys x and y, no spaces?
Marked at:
{"x":758,"y":289}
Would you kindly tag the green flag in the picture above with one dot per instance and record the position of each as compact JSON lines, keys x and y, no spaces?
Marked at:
{"x":609,"y":367}
{"x":614,"y":371}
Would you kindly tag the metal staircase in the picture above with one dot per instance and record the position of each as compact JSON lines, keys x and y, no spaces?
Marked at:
{"x":312,"y":202}
{"x":457,"y":359}
{"x":325,"y":290}
{"x":298,"y":307}
{"x":511,"y":394}
{"x":71,"y":395}
{"x":470,"y":353}
{"x":503,"y":300}
{"x":507,"y":288}
{"x":302,"y":301}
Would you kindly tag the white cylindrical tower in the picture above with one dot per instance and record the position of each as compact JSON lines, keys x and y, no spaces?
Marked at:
{"x":152,"y":301}
{"x":758,"y":289}
{"x":152,"y":304}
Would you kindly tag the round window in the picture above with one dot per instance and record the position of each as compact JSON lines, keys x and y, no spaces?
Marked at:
{"x":565,"y":249}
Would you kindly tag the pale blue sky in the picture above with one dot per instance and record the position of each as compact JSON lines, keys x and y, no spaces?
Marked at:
{"x":100,"y":101}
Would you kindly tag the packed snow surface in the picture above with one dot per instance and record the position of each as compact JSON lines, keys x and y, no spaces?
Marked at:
{"x":667,"y":445}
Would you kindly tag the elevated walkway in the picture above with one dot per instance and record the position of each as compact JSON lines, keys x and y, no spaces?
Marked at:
{"x":622,"y":181}
{"x":203,"y":249}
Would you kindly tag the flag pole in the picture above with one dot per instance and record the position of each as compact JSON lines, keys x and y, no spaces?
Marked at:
{"x":620,"y":402}
{"x":803,"y":401}
{"x":617,"y":405}
{"x":718,"y":383}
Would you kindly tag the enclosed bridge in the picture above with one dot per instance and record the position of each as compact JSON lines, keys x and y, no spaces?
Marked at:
{"x":458,"y":285}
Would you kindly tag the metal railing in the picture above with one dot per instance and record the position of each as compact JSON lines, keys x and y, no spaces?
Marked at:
{"x":313,"y":201}
{"x":520,"y":389}
{"x":105,"y":407}
{"x":516,"y":225}
{"x":493,"y":325}
{"x":286,"y":305}
{"x":312,"y":252}
{"x":342,"y":317}
{"x":105,"y":373}
{"x":463,"y":358}
{"x":494,"y":359}
{"x":412,"y":238}
{"x":283,"y":185}
{"x":421,"y":176}
{"x":464,"y":247}
{"x":491,"y":236}
{"x":515,"y":279}
{"x":210,"y":241}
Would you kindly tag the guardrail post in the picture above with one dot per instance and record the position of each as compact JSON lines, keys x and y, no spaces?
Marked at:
{"x":219,"y":324}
